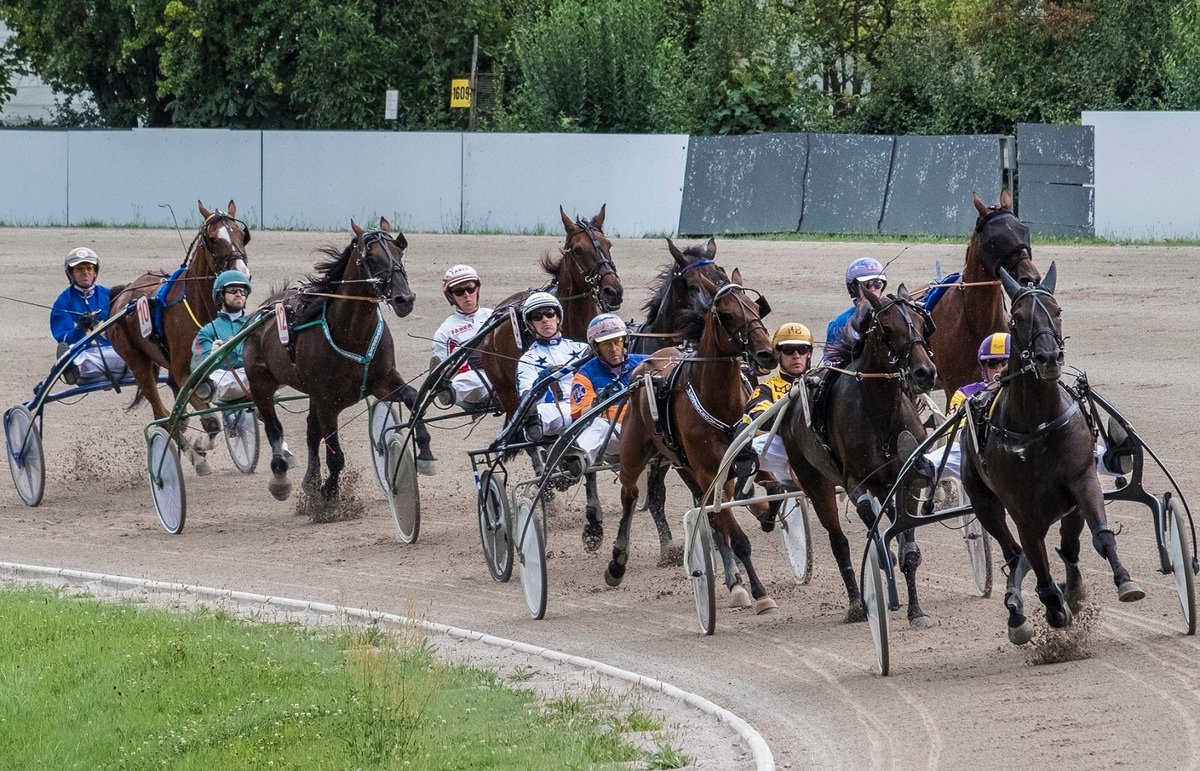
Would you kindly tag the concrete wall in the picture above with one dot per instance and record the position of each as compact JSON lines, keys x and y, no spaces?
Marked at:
{"x":1147,"y":174}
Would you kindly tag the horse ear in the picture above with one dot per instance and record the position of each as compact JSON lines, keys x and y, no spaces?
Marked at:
{"x":598,"y":220}
{"x":232,"y":208}
{"x":680,"y":260}
{"x":567,"y":222}
{"x":980,"y":206}
{"x":1050,"y":279}
{"x":357,"y":230}
{"x":710,"y":248}
{"x":205,"y":213}
{"x":902,"y":292}
{"x":384,"y":225}
{"x":1011,"y":287}
{"x":736,"y":277}
{"x":1005,"y":198}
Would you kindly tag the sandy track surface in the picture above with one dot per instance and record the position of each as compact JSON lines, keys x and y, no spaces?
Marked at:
{"x":960,"y":695}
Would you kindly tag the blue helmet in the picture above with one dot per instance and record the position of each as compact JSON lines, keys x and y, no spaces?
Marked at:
{"x":227,"y":279}
{"x":864,"y":269}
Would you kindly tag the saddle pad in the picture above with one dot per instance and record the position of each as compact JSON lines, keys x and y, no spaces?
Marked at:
{"x":935,"y":293}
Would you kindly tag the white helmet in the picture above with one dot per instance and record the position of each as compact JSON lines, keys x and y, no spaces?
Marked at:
{"x":539,"y":300}
{"x":80,"y":255}
{"x":606,"y":326}
{"x":458,"y":274}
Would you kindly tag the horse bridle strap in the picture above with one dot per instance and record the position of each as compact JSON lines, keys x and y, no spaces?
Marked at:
{"x":1041,"y":428}
{"x":859,"y":374}
{"x":707,"y":416}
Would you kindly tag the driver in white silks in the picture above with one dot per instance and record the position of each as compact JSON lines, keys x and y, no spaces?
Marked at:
{"x":469,"y":386}
{"x":550,"y":352}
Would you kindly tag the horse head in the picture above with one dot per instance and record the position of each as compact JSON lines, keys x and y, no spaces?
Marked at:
{"x":224,"y":237}
{"x":1035,"y":325}
{"x":741,"y":321}
{"x":1002,"y":240}
{"x":691,"y":264}
{"x":587,"y":257}
{"x":381,"y":258}
{"x":902,"y":328}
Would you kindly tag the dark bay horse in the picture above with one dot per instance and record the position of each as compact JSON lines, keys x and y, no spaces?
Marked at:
{"x":1034,"y":459}
{"x":340,"y":350}
{"x":188,"y":305}
{"x":706,"y":400}
{"x":872,"y":428}
{"x":974,"y":308}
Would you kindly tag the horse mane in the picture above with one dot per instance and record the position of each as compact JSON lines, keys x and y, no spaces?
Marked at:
{"x":552,"y":263}
{"x":854,"y":340}
{"x":326,"y":278}
{"x":691,"y":324}
{"x":662,"y":283}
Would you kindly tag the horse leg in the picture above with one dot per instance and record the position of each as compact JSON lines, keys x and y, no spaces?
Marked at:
{"x":823,"y":496}
{"x":636,"y":452}
{"x":910,"y":560}
{"x":669,"y":553}
{"x":262,"y":390}
{"x":312,"y":474}
{"x":593,"y":529}
{"x":741,"y":547}
{"x":1068,"y":550}
{"x":395,"y":389}
{"x":335,"y":461}
{"x":1104,"y":540}
{"x":1058,"y":615}
{"x":738,"y":596}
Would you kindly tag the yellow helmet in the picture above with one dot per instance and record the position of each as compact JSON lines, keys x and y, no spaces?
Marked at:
{"x":792,"y":332}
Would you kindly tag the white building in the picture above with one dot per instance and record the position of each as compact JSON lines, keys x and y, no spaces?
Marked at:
{"x":33,"y":101}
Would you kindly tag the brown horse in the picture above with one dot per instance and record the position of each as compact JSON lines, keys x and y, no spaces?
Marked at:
{"x":1034,"y":458}
{"x":188,"y":305}
{"x":872,"y":428}
{"x":340,"y":350}
{"x":973,"y":308}
{"x":706,"y":400}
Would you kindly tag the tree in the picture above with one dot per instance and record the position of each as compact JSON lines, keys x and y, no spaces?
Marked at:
{"x":98,"y":47}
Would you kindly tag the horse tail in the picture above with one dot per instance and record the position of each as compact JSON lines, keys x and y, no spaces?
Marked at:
{"x":138,"y":396}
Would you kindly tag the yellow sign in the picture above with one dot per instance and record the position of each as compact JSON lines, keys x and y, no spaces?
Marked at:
{"x":460,"y":93}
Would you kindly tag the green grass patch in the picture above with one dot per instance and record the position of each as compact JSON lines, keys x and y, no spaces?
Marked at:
{"x":93,"y":685}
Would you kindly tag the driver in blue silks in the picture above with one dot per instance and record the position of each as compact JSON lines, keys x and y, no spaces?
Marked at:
{"x":77,"y":311}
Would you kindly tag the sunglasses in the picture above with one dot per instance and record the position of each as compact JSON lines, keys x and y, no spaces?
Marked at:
{"x":993,"y":363}
{"x":792,"y":350}
{"x":238,"y":290}
{"x":545,"y":313}
{"x":459,"y":291}
{"x":872,"y":284}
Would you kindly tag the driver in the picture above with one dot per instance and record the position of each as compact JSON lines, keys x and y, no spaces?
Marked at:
{"x":597,"y":378}
{"x":863,"y":276}
{"x":231,"y":290}
{"x":993,"y":355}
{"x":549,"y":352}
{"x":78,"y":310}
{"x":470,"y":386}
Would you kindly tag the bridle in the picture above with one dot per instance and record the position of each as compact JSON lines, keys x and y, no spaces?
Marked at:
{"x":901,"y":360}
{"x":382,"y":280}
{"x":604,"y":265}
{"x":740,"y":337}
{"x":236,"y":252}
{"x":1035,"y":294}
{"x":1020,"y":249}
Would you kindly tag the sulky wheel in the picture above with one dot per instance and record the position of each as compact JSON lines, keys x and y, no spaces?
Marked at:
{"x":979,"y":553}
{"x":242,"y":438}
{"x":1179,"y":547}
{"x":795,"y":537}
{"x":874,"y":599}
{"x":380,"y":426}
{"x":403,"y":493}
{"x":166,"y":480}
{"x":531,"y":547}
{"x":26,"y":459}
{"x":494,"y":527}
{"x":700,"y":569}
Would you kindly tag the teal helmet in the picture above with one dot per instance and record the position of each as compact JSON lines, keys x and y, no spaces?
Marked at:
{"x":227,"y":279}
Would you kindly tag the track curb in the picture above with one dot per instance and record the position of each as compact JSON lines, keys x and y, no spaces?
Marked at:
{"x":764,"y":760}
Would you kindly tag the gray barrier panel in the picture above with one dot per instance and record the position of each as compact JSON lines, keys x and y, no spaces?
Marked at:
{"x":932,"y":181}
{"x":1056,"y":169}
{"x":127,"y":177}
{"x":1057,"y":210}
{"x":516,"y":182}
{"x":33,"y":165}
{"x":845,"y":183}
{"x":323,"y":179}
{"x":749,"y":184}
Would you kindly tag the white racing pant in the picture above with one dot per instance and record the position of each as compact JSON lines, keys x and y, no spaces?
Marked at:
{"x":954,"y":460}
{"x":593,"y":439}
{"x":554,"y":417}
{"x":94,"y":360}
{"x":470,"y":388}
{"x":774,"y":461}
{"x":229,"y":385}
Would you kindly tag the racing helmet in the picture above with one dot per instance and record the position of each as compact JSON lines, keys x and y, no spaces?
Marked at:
{"x":606,"y":326}
{"x":793,"y":333}
{"x":458,"y":274}
{"x":994,"y":346}
{"x":80,"y":255}
{"x":227,"y":279}
{"x":864,"y":269}
{"x":538,"y":300}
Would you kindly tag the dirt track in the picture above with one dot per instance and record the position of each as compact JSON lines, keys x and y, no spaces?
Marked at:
{"x":960,"y":695}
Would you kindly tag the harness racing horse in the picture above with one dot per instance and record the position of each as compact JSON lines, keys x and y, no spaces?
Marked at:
{"x":184,"y":307}
{"x":707,"y":395}
{"x":872,"y":428}
{"x":339,"y":351}
{"x":973,"y":308}
{"x":1034,"y":458}
{"x":586,"y":282}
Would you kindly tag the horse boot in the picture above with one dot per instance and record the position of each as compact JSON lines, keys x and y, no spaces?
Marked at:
{"x":1105,"y":543}
{"x":1073,"y":587}
{"x":614,"y":574}
{"x":593,"y":532}
{"x":1020,"y":631}
{"x":1058,"y":615}
{"x":745,"y":466}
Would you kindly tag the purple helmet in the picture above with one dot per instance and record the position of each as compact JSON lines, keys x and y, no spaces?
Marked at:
{"x":864,"y":269}
{"x":994,"y":346}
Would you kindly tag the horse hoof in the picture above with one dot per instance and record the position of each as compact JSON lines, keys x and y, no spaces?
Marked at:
{"x":290,"y":459}
{"x":856,"y":613}
{"x":920,"y":622}
{"x":764,"y":606}
{"x":593,"y":534}
{"x":612,"y":580}
{"x":426,"y":468}
{"x":1020,"y":635}
{"x":670,"y":555}
{"x":1130,"y":592}
{"x":280,"y":488}
{"x":739,"y":597}
{"x":202,"y":468}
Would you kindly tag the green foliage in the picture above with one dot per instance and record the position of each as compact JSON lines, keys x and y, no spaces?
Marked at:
{"x":8,"y":68}
{"x":1181,"y":63}
{"x":754,"y":98}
